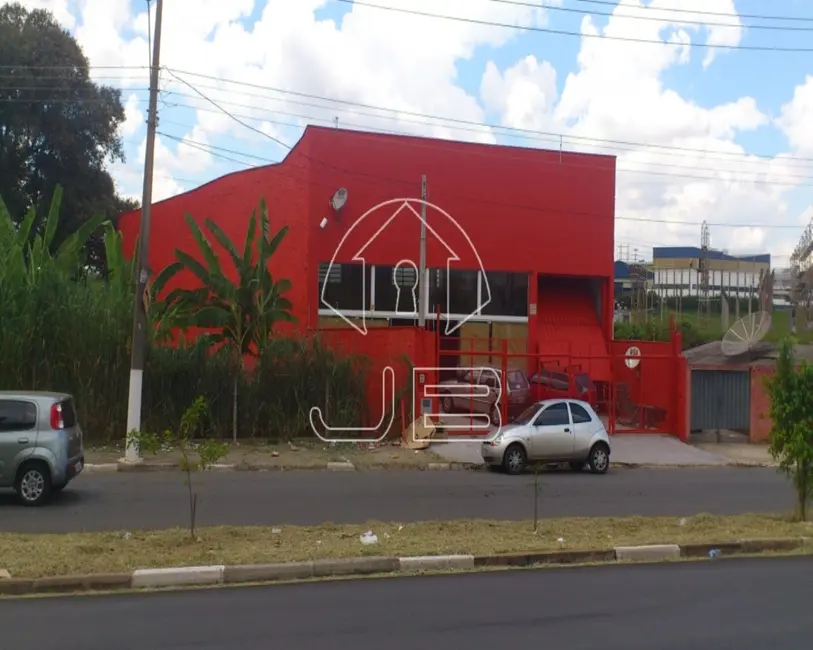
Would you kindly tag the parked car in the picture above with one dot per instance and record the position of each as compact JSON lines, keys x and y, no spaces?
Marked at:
{"x":41,"y":448}
{"x":560,"y":384}
{"x":554,"y":431}
{"x":475,"y":391}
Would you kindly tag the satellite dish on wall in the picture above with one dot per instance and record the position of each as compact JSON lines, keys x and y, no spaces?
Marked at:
{"x":339,"y":199}
{"x":746,"y":333}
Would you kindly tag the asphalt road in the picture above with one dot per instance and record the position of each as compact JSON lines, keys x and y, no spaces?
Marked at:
{"x":158,"y":500}
{"x":742,"y":604}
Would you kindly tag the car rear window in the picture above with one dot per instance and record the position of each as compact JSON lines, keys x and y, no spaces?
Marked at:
{"x":68,"y":413}
{"x":517,"y":379}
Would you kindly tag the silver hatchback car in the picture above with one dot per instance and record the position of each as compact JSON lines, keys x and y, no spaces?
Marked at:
{"x":41,"y":448}
{"x":554,"y":431}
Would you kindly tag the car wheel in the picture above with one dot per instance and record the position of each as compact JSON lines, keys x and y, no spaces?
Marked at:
{"x":33,"y":484}
{"x":599,"y":459}
{"x":577,"y":467}
{"x":446,"y":404}
{"x":514,"y":459}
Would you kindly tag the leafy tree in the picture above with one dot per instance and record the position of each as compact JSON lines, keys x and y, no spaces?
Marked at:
{"x":239,"y":314}
{"x":197,"y":454}
{"x":56,"y":126}
{"x":791,"y":395}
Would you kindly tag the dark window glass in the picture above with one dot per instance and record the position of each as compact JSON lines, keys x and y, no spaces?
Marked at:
{"x":555,"y":415}
{"x":388,"y":281}
{"x":461,"y":288}
{"x":344,"y":286}
{"x":580,"y":415}
{"x":17,"y":415}
{"x":68,"y":414}
{"x":509,"y":294}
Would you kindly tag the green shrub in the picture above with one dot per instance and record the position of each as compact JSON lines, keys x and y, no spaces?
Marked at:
{"x":62,"y":330}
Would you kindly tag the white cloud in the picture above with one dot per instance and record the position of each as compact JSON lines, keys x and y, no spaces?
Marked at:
{"x":374,"y":57}
{"x":687,"y":172}
{"x":796,"y":118}
{"x":57,"y":7}
{"x":133,"y":116}
{"x":410,"y":64}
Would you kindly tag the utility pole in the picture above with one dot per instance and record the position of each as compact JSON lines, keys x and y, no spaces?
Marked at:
{"x":423,"y":293}
{"x":140,"y":323}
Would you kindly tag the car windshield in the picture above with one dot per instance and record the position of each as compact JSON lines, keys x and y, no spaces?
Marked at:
{"x":527,"y":415}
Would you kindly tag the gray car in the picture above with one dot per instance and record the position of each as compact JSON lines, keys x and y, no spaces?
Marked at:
{"x":553,"y":431}
{"x":41,"y":447}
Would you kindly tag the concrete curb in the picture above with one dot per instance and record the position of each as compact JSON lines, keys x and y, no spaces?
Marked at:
{"x":146,"y":466}
{"x":376,"y":565}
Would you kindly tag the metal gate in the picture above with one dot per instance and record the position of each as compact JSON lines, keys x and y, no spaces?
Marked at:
{"x":721,"y":399}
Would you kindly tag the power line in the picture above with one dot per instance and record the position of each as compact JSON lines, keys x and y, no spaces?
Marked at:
{"x":562,"y":32}
{"x":725,"y":176}
{"x":558,"y":140}
{"x":610,"y":3}
{"x":477,"y":126}
{"x":454,"y":120}
{"x":70,"y":68}
{"x":650,"y":9}
{"x":728,"y":176}
{"x":209,"y":149}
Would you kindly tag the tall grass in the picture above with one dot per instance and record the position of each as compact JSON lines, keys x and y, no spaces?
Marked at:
{"x":62,"y":329}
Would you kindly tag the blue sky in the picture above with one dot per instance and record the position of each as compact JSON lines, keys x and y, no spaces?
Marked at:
{"x":768,"y":77}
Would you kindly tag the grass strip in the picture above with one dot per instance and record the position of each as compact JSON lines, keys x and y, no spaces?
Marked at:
{"x":42,"y":555}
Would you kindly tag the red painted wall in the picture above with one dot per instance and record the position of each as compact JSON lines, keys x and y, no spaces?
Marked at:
{"x":761,"y":423}
{"x":229,"y":201}
{"x":386,"y":347}
{"x":524,"y":210}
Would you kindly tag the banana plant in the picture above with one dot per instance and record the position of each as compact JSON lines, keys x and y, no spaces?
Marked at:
{"x":34,"y":251}
{"x":239,"y":314}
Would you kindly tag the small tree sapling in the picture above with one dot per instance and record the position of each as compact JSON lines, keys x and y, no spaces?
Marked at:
{"x":197,"y":454}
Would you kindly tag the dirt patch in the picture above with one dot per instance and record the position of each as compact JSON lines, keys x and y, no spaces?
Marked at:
{"x":49,"y":555}
{"x":307,"y":454}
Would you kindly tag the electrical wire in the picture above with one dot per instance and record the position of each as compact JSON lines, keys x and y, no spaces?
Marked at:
{"x":447,"y":121}
{"x":451,"y":120}
{"x":562,"y":32}
{"x":728,"y":175}
{"x":731,"y":175}
{"x":556,"y":140}
{"x":215,"y":152}
{"x":650,"y":9}
{"x":614,"y":3}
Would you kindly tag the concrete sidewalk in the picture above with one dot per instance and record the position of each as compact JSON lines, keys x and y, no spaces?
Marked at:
{"x":640,"y":450}
{"x":741,"y":453}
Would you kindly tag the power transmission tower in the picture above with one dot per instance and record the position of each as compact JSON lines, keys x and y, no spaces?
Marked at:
{"x":703,"y":270}
{"x":801,"y":275}
{"x":638,"y":302}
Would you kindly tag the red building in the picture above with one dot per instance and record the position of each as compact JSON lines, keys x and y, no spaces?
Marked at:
{"x":532,"y":227}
